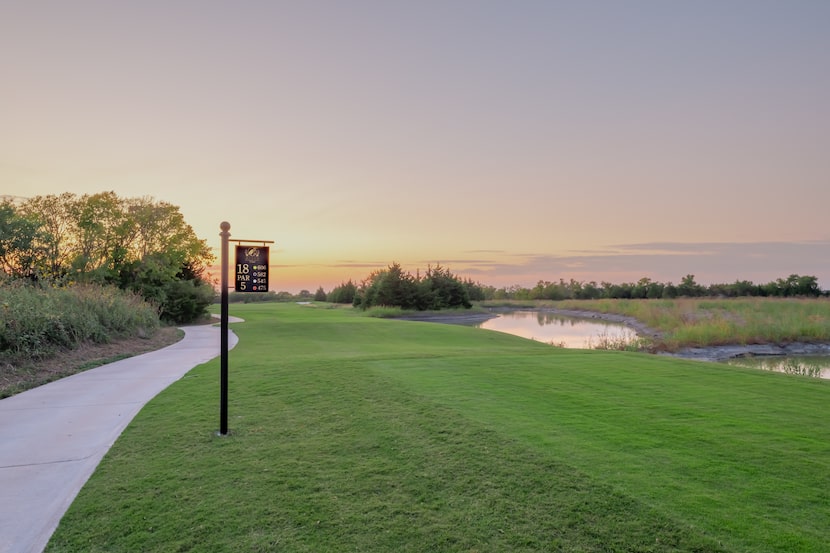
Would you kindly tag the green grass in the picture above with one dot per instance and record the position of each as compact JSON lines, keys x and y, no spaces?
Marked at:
{"x":351,"y":433}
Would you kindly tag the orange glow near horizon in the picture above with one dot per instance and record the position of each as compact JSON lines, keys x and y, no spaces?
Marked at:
{"x":511,"y":271}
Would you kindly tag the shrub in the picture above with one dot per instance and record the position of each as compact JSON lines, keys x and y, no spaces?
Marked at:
{"x":185,"y":300}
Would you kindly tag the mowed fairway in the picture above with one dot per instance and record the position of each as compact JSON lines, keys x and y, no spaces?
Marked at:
{"x":356,"y":434}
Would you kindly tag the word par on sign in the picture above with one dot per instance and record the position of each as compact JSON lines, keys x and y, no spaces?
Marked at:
{"x":251,"y":269}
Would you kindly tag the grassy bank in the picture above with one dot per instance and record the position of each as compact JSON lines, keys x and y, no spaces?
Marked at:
{"x":351,"y":433}
{"x":691,"y":322}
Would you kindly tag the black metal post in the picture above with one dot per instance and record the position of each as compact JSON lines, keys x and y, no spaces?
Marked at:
{"x":223,"y":324}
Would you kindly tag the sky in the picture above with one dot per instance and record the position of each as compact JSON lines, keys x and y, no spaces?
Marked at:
{"x":511,"y":141}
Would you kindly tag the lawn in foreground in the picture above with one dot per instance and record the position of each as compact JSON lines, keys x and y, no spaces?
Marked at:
{"x":357,"y":434}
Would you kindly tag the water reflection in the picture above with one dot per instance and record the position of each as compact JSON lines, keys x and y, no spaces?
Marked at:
{"x":558,"y":330}
{"x":817,"y":366}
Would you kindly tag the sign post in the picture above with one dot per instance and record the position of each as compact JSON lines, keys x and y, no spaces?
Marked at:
{"x":251,"y":275}
{"x":223,"y":342}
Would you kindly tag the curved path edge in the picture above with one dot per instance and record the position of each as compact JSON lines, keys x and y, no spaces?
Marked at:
{"x":53,"y":437}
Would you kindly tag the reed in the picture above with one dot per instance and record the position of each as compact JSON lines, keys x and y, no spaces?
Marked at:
{"x":627,"y":341}
{"x":689,"y":322}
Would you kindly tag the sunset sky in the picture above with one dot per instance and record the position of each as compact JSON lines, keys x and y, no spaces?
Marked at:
{"x":511,"y":141}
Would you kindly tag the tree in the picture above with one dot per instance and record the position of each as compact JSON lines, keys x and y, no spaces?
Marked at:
{"x":136,"y":244}
{"x":344,"y":293}
{"x":743,"y":288}
{"x":475,"y":290}
{"x":806,"y":286}
{"x":391,"y":287}
{"x":590,"y":291}
{"x":55,"y":218}
{"x":441,"y":289}
{"x":669,"y":291}
{"x":794,"y":285}
{"x":19,"y":237}
{"x":689,"y":288}
{"x":104,"y":231}
{"x":160,"y":226}
{"x":320,"y":294}
{"x":640,"y":290}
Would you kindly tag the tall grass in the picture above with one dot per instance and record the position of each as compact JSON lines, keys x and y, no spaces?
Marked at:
{"x":689,"y":322}
{"x":627,"y":341}
{"x":38,"y":322}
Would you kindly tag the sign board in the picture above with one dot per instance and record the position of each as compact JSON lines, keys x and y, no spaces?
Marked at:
{"x":251,"y":269}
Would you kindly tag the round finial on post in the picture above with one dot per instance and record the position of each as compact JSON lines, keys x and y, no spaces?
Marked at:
{"x":225,"y":226}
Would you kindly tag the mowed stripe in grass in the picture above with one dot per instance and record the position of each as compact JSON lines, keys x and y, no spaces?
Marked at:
{"x":355,"y":434}
{"x":744,"y":455}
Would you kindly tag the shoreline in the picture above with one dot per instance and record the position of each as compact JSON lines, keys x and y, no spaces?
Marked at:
{"x":700,"y":353}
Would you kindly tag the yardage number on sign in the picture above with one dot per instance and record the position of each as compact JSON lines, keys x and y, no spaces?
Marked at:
{"x":251,"y":269}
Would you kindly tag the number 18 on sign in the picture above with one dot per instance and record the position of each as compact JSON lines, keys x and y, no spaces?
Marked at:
{"x":251,"y":269}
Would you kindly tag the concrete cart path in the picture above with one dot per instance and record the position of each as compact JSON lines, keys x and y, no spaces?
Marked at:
{"x":52,"y":437}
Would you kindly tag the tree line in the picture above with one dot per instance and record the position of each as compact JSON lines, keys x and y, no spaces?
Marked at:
{"x":136,"y":244}
{"x":645,"y":288}
{"x":438,"y":288}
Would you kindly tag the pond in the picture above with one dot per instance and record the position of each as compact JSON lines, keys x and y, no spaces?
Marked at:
{"x":559,"y":330}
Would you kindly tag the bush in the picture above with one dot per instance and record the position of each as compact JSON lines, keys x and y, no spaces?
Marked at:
{"x":185,"y":301}
{"x":345,"y":293}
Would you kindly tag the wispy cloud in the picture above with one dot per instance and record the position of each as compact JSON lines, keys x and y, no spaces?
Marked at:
{"x":664,"y":261}
{"x":349,"y":264}
{"x":709,"y":262}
